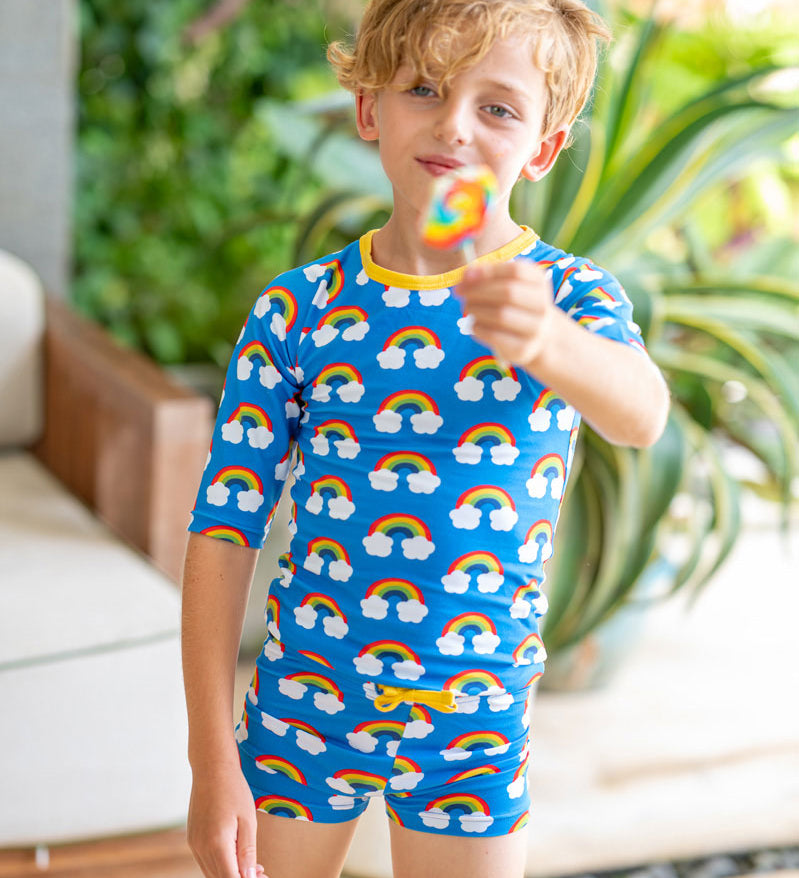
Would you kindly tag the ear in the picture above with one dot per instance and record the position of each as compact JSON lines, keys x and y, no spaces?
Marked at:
{"x":539,"y":165}
{"x":366,"y":115}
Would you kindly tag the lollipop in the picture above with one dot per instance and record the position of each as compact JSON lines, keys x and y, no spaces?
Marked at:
{"x":458,"y":208}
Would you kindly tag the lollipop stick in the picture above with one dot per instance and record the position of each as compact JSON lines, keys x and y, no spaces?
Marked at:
{"x":469,"y":255}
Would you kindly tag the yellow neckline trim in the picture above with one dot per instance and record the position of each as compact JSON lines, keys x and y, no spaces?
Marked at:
{"x":519,"y":244}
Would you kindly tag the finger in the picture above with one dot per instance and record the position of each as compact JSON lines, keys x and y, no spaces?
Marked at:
{"x":513,"y":320}
{"x":246,"y":847}
{"x":520,"y":268}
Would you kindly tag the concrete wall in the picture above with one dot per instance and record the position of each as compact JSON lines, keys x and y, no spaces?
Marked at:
{"x":38,"y":54}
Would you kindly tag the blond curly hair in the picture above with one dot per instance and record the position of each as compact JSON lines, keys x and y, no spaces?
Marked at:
{"x":441,"y":38}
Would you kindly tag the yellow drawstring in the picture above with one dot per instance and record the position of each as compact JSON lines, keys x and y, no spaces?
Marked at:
{"x":391,"y":696}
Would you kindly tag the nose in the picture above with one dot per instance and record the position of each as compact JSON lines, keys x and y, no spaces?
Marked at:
{"x":452,"y":125}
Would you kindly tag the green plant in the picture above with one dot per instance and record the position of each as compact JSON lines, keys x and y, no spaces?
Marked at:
{"x":726,"y":342}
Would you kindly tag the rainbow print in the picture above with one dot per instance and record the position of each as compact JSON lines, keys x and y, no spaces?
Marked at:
{"x":279,"y":765}
{"x":537,"y":544}
{"x":473,"y":772}
{"x":342,"y":317}
{"x":479,"y":740}
{"x":391,"y":728}
{"x":331,"y":486}
{"x":463,"y":802}
{"x":488,"y":432}
{"x":483,"y":367}
{"x":301,"y":726}
{"x":361,"y":782}
{"x":227,"y":533}
{"x":334,"y":429}
{"x":255,"y":352}
{"x":338,"y":373}
{"x":486,"y":495}
{"x":482,"y":561}
{"x":474,"y":682}
{"x":548,"y":475}
{"x":386,"y":649}
{"x":287,"y":304}
{"x":533,"y":645}
{"x":521,"y":822}
{"x":548,"y":400}
{"x":419,"y":713}
{"x":394,"y":523}
{"x":283,"y":807}
{"x":239,"y":476}
{"x":315,"y":657}
{"x":392,"y":815}
{"x":473,"y":621}
{"x":412,"y":336}
{"x":416,"y":400}
{"x":324,"y":684}
{"x":272,"y":613}
{"x":322,"y":602}
{"x":388,"y":588}
{"x":325,"y":546}
{"x":404,"y":765}
{"x":335,"y":283}
{"x":412,"y":461}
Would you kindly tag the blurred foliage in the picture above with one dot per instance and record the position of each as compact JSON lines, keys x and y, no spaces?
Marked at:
{"x":184,"y":208}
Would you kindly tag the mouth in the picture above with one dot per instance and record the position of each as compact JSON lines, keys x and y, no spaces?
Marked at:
{"x":436,"y":165}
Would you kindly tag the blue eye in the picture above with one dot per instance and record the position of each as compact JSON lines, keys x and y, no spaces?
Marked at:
{"x":422,"y":91}
{"x":499,"y":112}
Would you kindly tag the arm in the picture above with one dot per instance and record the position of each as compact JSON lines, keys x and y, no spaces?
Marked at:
{"x":619,"y":391}
{"x":216,"y":584}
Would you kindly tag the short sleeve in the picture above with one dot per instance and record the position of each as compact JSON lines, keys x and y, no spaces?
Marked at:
{"x":257,"y":421}
{"x":597,"y":301}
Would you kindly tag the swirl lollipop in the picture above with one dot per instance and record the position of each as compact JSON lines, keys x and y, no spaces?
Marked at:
{"x":458,"y":208}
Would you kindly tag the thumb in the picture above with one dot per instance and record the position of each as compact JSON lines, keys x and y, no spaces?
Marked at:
{"x":246,"y":849}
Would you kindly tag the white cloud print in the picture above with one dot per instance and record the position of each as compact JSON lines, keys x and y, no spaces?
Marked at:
{"x":375,"y":607}
{"x":485,"y":642}
{"x":249,"y":501}
{"x":368,"y":664}
{"x":435,"y":818}
{"x":470,"y":389}
{"x":417,"y":728}
{"x":503,"y":519}
{"x":475,"y":822}
{"x":506,"y":389}
{"x":341,"y":803}
{"x":391,"y":358}
{"x":455,"y":754}
{"x":305,"y":616}
{"x":423,"y":482}
{"x":352,"y":391}
{"x":500,"y":702}
{"x":355,"y":331}
{"x":269,"y":376}
{"x":426,"y":423}
{"x":451,"y":643}
{"x":335,"y":626}
{"x":407,"y":670}
{"x":362,"y":741}
{"x":217,"y":494}
{"x":387,"y":421}
{"x":378,"y":544}
{"x":417,"y":548}
{"x":310,"y":743}
{"x":291,"y":688}
{"x":489,"y":582}
{"x":327,"y":702}
{"x":468,"y":452}
{"x":539,"y":420}
{"x":259,"y":437}
{"x":411,"y":610}
{"x":431,"y":298}
{"x":383,"y":480}
{"x":232,"y":432}
{"x":396,"y":297}
{"x":456,"y":582}
{"x":275,"y":725}
{"x":465,"y":517}
{"x":504,"y":454}
{"x":340,"y":508}
{"x":324,"y":335}
{"x":339,"y":570}
{"x":243,"y":368}
{"x":338,"y":783}
{"x":428,"y":357}
{"x":407,"y":781}
{"x":516,"y":787}
{"x":347,"y":449}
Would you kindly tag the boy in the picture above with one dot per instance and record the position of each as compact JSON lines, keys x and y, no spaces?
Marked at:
{"x":402,"y":636}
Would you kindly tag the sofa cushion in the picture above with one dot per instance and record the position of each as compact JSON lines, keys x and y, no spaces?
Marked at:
{"x":68,"y":585}
{"x":21,"y":336}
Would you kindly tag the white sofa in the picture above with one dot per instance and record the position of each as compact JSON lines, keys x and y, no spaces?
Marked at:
{"x":92,"y":720}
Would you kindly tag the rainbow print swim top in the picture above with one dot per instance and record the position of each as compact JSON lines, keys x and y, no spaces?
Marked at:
{"x":426,"y":477}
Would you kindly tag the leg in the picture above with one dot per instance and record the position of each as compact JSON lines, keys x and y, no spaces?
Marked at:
{"x":427,"y":855}
{"x":288,"y":848}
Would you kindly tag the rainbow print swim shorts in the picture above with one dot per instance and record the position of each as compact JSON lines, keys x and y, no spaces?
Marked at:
{"x":313,"y":749}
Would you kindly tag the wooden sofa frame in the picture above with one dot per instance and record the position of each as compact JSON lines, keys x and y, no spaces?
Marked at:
{"x":124,"y":437}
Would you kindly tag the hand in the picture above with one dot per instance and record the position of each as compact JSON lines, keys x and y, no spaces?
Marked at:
{"x":222,"y":824}
{"x":512,"y":307}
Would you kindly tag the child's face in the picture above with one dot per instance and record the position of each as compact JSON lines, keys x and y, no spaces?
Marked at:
{"x":491,"y":113}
